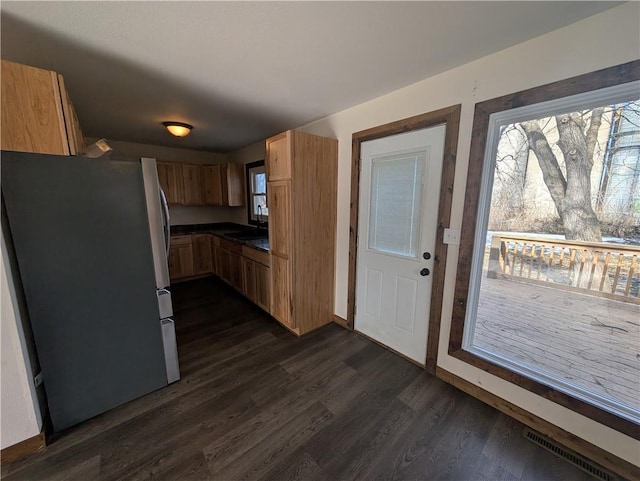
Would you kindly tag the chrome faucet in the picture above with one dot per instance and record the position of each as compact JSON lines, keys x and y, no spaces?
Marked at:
{"x":259,"y":217}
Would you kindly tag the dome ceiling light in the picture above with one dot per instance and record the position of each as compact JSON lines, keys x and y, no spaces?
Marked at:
{"x":179,"y":129}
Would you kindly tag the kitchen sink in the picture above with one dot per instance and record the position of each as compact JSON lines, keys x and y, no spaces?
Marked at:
{"x":248,"y":235}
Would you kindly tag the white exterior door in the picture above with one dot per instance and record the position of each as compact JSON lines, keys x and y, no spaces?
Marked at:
{"x":399,"y":195}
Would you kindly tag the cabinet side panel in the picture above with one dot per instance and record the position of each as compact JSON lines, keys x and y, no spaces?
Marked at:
{"x":314,"y":194}
{"x":32,"y":119}
{"x":75,"y":138}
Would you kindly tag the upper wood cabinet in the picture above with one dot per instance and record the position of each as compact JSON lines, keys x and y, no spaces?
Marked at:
{"x":212,"y":178}
{"x":234,"y":185}
{"x":301,"y":192}
{"x":224,"y":184}
{"x":170,"y":177}
{"x":37,"y":114}
{"x":278,"y":161}
{"x":193,"y":188}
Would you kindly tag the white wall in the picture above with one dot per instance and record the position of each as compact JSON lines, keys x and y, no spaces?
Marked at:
{"x":181,"y":215}
{"x":19,"y":413}
{"x":601,"y":41}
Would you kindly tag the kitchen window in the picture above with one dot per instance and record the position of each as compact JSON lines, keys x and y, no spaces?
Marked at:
{"x":547,"y":291}
{"x":257,"y":209}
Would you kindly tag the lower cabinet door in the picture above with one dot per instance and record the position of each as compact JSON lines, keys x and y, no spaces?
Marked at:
{"x":180,"y":261}
{"x":223,"y":263}
{"x":235,"y":261}
{"x":202,"y":254}
{"x":281,"y":291}
{"x":249,"y":279}
{"x":263,"y":287}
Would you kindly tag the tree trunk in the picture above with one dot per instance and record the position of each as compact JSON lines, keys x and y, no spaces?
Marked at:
{"x":578,"y":217}
{"x":571,"y":196}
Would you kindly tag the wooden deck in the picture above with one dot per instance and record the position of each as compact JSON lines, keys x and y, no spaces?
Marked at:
{"x":589,"y":341}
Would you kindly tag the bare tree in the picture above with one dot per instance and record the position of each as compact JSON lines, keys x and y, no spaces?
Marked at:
{"x":571,"y":194}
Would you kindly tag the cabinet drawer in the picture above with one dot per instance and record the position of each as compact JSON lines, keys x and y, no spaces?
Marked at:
{"x":177,"y":240}
{"x":259,"y":256}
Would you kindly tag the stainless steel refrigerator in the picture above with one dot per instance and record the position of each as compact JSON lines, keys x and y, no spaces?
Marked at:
{"x":91,"y":238}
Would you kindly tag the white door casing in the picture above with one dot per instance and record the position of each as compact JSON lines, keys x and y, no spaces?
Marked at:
{"x":399,"y":195}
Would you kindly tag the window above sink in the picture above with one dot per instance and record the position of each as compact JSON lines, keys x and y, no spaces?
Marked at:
{"x":257,"y":209}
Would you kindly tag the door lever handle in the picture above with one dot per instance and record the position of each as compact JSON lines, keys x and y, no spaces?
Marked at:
{"x":425,"y":272}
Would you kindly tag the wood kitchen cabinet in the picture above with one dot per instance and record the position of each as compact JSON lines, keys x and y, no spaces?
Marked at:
{"x":235,"y":269}
{"x":279,"y":156}
{"x":214,"y":243}
{"x":223,"y":263}
{"x":170,"y":177}
{"x":202,"y":261}
{"x":244,"y":268}
{"x":212,"y":178}
{"x":224,"y":184}
{"x":301,"y":192}
{"x":249,"y":279}
{"x":181,"y":257}
{"x":37,"y":113}
{"x":263,"y":287}
{"x":230,"y":258}
{"x":257,"y":279}
{"x":192,"y":184}
{"x":75,"y":137}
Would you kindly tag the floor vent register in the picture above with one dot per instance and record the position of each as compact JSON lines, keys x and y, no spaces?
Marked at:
{"x":572,"y":457}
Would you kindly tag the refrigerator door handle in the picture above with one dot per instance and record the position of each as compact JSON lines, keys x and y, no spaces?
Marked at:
{"x":166,"y":218}
{"x":170,"y":350}
{"x":156,"y":228}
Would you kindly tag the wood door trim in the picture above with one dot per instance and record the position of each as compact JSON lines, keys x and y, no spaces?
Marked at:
{"x":450,"y":116}
{"x":599,"y":455}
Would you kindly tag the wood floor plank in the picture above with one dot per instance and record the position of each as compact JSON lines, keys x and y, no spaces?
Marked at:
{"x":298,"y":466}
{"x":256,"y":402}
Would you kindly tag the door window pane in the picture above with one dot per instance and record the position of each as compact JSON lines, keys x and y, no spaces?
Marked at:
{"x":396,"y":193}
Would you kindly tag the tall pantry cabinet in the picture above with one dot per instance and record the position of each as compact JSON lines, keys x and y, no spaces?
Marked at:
{"x":301,"y":193}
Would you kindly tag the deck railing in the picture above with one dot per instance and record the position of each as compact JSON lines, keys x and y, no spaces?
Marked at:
{"x":601,"y":269}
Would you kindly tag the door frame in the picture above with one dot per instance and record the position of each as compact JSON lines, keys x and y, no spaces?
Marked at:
{"x":450,"y":116}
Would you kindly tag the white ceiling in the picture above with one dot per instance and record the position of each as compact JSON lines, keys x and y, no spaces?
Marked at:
{"x":242,"y":71}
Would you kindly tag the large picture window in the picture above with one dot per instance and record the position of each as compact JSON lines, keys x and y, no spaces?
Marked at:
{"x":548,"y":286}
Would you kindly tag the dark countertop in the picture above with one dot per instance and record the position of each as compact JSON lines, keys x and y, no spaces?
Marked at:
{"x":221,"y":229}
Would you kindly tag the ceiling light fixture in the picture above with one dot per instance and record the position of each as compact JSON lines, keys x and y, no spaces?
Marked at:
{"x":179,"y":129}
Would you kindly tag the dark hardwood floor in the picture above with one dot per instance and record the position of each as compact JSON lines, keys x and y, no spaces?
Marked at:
{"x":255,"y":402}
